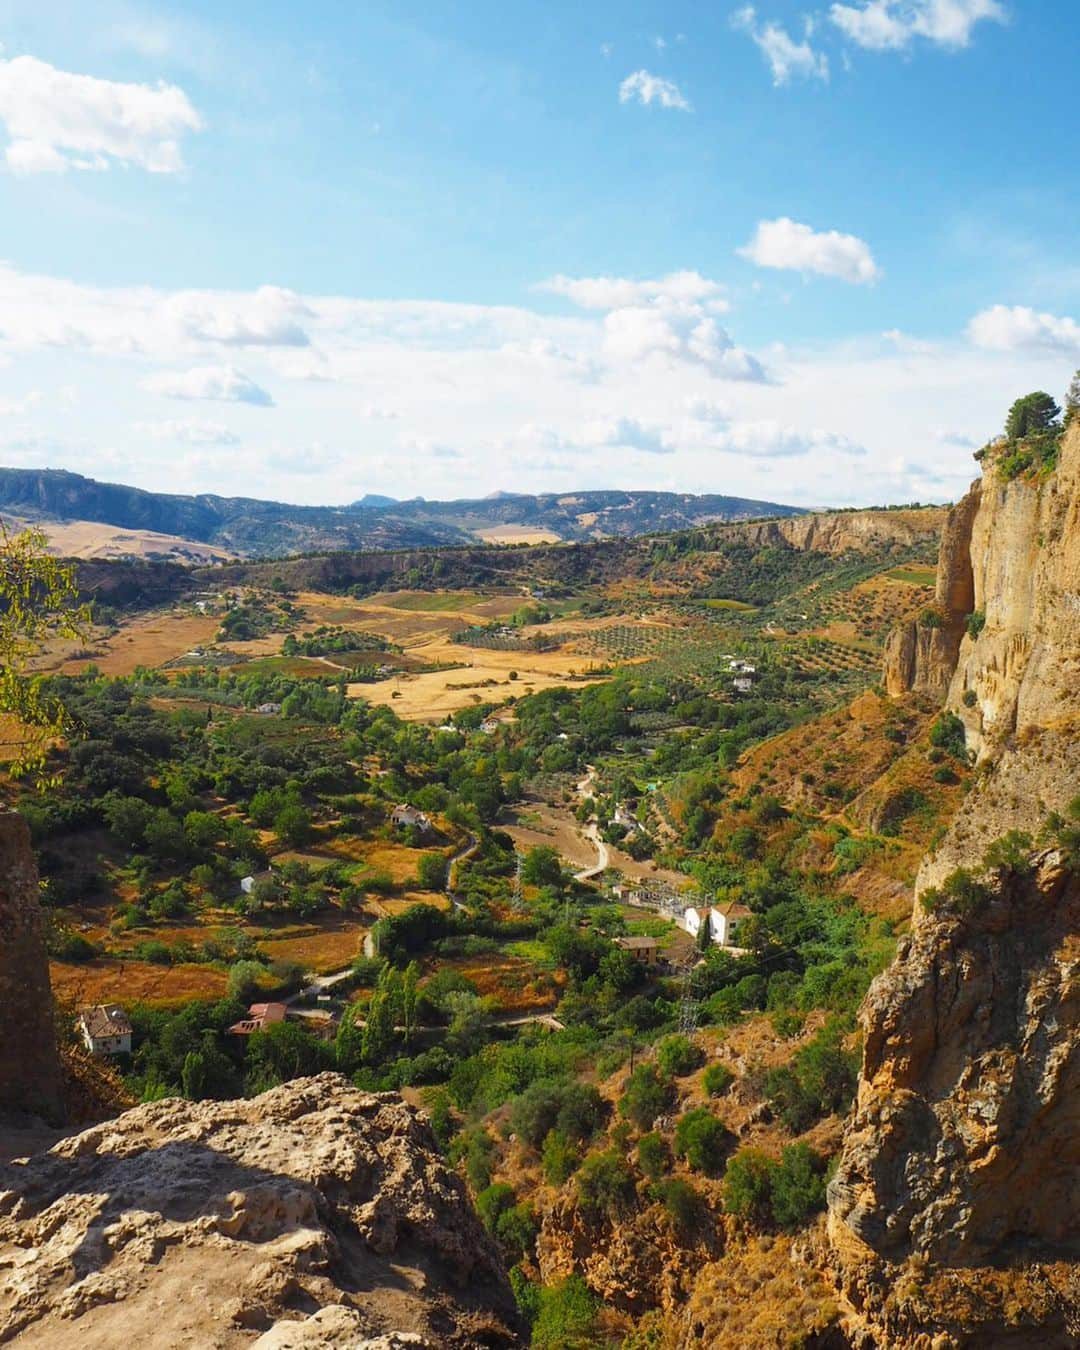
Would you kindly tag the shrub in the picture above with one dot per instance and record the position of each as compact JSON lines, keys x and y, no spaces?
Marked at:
{"x":961,"y":893}
{"x":716,"y":1079}
{"x":976,"y":622}
{"x":566,"y":1316}
{"x":646,"y":1095}
{"x":683,"y":1204}
{"x":558,"y":1158}
{"x":748,"y":1185}
{"x":653,"y":1155}
{"x":948,"y":734}
{"x":605,"y":1186}
{"x":678,"y":1056}
{"x":970,"y":698}
{"x":493,"y":1202}
{"x":798,"y":1186}
{"x":943,"y":774}
{"x":819,"y":1080}
{"x":69,"y":946}
{"x":702,"y":1140}
{"x":516,"y":1230}
{"x":245,"y":980}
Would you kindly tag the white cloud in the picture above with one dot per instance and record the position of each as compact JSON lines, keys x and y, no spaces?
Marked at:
{"x":267,"y":317}
{"x":57,"y":121}
{"x":786,"y":244}
{"x":770,"y":439}
{"x":17,"y":407}
{"x":647,"y":89}
{"x":627,"y":433}
{"x":222,"y":384}
{"x":616,"y":292}
{"x":1004,"y":329}
{"x":891,"y":25}
{"x":677,"y":333}
{"x":785,"y":56}
{"x":184,"y":432}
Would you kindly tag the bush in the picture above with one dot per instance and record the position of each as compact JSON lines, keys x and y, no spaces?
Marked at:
{"x":684,"y":1205}
{"x":516,"y":1230}
{"x":605,"y":1186}
{"x":702,"y":1140}
{"x":559,"y":1158}
{"x":653,"y":1155}
{"x":717,"y":1078}
{"x":819,"y":1080}
{"x":748,"y":1185}
{"x":678,"y":1056}
{"x":970,"y":698}
{"x":566,"y":1316}
{"x":961,"y":893}
{"x":976,"y":622}
{"x":245,"y":980}
{"x":798,"y":1186}
{"x":948,"y":734}
{"x":646,"y":1095}
{"x":493,"y":1202}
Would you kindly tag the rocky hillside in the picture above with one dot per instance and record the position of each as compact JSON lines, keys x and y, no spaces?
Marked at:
{"x":953,"y":1214}
{"x":248,"y":526}
{"x":313,"y":1215}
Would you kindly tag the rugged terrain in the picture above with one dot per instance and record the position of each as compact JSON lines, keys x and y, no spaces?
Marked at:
{"x":954,"y":1209}
{"x":222,"y":1224}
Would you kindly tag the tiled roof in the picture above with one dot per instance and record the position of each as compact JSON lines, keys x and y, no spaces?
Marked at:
{"x":106,"y":1019}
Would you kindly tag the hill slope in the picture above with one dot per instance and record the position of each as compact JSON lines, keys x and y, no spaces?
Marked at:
{"x":249,"y":526}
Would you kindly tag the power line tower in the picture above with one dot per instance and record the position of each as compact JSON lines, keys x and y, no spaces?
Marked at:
{"x":517,"y":896}
{"x":689,"y":1010}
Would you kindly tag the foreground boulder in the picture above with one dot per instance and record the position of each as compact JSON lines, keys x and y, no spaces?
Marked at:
{"x":315,"y":1214}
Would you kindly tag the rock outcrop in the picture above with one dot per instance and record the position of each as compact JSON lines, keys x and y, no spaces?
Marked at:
{"x":845,"y":531}
{"x":30,"y":1076}
{"x":312,"y":1215}
{"x":954,"y":1215}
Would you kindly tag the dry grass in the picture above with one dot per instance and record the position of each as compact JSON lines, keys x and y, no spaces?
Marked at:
{"x":88,"y":539}
{"x":514,"y":984}
{"x":106,"y":980}
{"x":147,"y":640}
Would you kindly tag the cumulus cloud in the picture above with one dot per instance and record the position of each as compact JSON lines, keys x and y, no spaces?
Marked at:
{"x":58,"y":121}
{"x":1003,"y":328}
{"x":770,"y":439}
{"x":787,"y":244}
{"x":267,"y":317}
{"x":184,"y":432}
{"x":221,"y":384}
{"x":891,"y":25}
{"x":616,"y":292}
{"x":677,"y":333}
{"x":646,"y":89}
{"x":627,"y":433}
{"x":16,"y":407}
{"x":785,"y":56}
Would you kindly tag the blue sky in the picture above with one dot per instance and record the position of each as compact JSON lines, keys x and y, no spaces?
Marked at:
{"x":445,"y":249}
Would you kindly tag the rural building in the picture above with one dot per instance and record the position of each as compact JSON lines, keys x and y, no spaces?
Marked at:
{"x":408,"y":817}
{"x":260,"y":1016}
{"x":743,"y":683}
{"x":490,"y":725}
{"x":723,"y":921}
{"x":106,"y":1029}
{"x":248,"y":884}
{"x":624,"y":818}
{"x":268,"y":709}
{"x":643,"y":949}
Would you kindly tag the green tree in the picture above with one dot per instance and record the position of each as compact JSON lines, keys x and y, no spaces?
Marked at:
{"x":716,"y":1079}
{"x":653,"y":1155}
{"x":39,"y":600}
{"x":1031,"y":413}
{"x":677,"y":1056}
{"x":748,"y":1185}
{"x":646,"y":1095}
{"x":605,"y":1185}
{"x":702,"y":1140}
{"x":798,"y":1186}
{"x":1072,"y":399}
{"x":566,"y":1316}
{"x":542,"y":866}
{"x":292,"y":825}
{"x":431,"y":872}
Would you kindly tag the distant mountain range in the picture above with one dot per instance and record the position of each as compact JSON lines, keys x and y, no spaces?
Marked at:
{"x":248,"y":527}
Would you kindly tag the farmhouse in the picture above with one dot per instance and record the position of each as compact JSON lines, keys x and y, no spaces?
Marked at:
{"x":722,"y":921}
{"x":260,"y":1016}
{"x":106,"y":1029}
{"x":643,"y":949}
{"x":268,"y":709}
{"x":743,"y":683}
{"x":624,"y":818}
{"x":408,"y":817}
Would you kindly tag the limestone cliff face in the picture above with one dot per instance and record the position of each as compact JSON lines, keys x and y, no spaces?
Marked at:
{"x":921,"y":657}
{"x":313,"y":1215}
{"x":844,"y":531}
{"x":954,"y":1215}
{"x":30,"y":1077}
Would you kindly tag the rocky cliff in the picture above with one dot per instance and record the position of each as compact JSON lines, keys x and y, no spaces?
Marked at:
{"x":313,"y":1215}
{"x":954,"y":1216}
{"x":846,"y":531}
{"x":30,"y":1077}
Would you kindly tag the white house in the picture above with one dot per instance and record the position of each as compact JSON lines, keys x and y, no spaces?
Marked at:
{"x":268,"y":709}
{"x":106,"y":1029}
{"x":624,"y":818}
{"x":490,"y":725}
{"x":723,"y":921}
{"x":406,"y":817}
{"x":743,"y":683}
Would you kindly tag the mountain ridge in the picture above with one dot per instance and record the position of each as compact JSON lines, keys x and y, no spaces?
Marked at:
{"x":250,"y":526}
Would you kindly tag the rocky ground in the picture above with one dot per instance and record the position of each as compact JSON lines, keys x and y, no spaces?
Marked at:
{"x":313,"y":1215}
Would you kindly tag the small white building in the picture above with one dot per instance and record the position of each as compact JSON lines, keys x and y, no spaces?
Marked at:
{"x":723,"y":921}
{"x":624,"y":818}
{"x":105,"y":1029}
{"x":490,"y":725}
{"x":408,"y":817}
{"x":268,"y":709}
{"x":743,"y":683}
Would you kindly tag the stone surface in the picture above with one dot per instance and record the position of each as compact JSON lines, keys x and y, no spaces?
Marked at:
{"x":213,"y":1224}
{"x":30,"y":1077}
